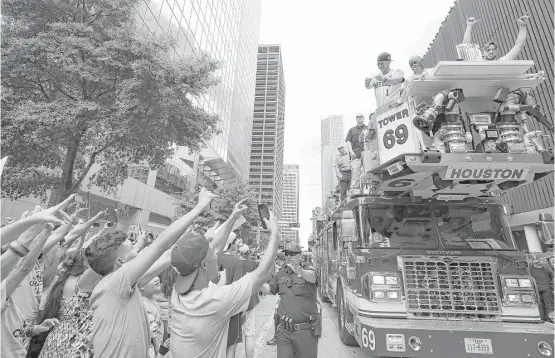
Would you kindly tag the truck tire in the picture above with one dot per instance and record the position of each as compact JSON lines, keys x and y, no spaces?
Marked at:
{"x":344,"y":314}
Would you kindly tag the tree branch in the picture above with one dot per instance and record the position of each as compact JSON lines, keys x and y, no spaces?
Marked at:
{"x":96,"y":16}
{"x":41,"y":89}
{"x":92,"y":160}
{"x":66,"y":94}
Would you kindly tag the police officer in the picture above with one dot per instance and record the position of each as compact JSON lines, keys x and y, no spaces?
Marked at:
{"x":298,"y":318}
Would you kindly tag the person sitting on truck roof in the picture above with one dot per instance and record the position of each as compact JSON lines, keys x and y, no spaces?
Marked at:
{"x":386,"y":83}
{"x":416,"y":64}
{"x":490,"y":49}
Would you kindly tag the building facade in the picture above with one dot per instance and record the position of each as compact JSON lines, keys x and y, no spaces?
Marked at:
{"x":497,"y":24}
{"x":266,"y":160}
{"x":290,"y":214}
{"x":228,"y":31}
{"x":332,"y":136}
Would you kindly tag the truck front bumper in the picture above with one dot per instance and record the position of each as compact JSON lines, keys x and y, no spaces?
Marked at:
{"x":453,"y":339}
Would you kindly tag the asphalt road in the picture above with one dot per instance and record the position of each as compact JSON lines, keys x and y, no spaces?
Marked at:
{"x":330,"y":346}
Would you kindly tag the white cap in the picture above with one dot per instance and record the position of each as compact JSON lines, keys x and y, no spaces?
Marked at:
{"x":244,"y":248}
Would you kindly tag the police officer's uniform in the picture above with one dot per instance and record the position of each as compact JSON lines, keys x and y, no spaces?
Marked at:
{"x":298,"y":314}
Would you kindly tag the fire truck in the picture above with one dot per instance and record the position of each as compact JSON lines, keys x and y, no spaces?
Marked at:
{"x":421,"y":261}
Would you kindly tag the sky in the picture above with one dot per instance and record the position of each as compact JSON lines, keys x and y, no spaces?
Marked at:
{"x":328,"y":48}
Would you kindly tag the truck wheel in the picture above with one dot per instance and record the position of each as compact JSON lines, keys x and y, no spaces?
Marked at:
{"x":343,"y":318}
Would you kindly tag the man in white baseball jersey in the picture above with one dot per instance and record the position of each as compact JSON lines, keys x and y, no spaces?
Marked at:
{"x":490,"y":50}
{"x":388,"y":82}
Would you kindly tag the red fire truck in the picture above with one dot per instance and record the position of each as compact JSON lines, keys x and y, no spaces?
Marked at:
{"x":421,"y":261}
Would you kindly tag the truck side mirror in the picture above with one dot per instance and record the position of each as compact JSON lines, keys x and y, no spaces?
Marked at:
{"x":348,"y":227}
{"x":545,"y":228}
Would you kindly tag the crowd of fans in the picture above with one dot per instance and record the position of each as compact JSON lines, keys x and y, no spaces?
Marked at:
{"x":67,"y":293}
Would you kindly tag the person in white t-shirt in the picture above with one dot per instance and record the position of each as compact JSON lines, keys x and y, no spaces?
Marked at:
{"x":121,"y":326}
{"x":200,"y":311}
{"x":388,"y":82}
{"x":490,"y":50}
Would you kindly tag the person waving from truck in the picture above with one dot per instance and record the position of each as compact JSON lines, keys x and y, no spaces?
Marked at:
{"x":490,"y":49}
{"x":386,"y":83}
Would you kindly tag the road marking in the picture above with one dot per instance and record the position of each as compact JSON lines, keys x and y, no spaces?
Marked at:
{"x":262,"y":333}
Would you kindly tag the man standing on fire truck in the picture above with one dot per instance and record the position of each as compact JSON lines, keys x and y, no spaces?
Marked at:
{"x":299,"y":320}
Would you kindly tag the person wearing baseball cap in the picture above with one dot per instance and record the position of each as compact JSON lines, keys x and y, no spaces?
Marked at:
{"x":490,"y":48}
{"x":200,"y":310}
{"x":120,"y":322}
{"x":343,"y":170}
{"x":388,"y":82}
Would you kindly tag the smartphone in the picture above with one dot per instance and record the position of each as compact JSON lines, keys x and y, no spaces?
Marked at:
{"x":264,"y":213}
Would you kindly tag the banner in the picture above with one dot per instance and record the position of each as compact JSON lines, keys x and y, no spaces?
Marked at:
{"x":396,"y":133}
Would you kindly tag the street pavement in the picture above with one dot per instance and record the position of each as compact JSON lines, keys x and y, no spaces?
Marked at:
{"x":330,"y":346}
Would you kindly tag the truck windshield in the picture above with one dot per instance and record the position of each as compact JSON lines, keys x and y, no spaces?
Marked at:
{"x":461,"y":226}
{"x":395,"y":226}
{"x":473,"y":227}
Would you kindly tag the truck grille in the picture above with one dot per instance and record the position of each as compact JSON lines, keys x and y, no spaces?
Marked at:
{"x":452,"y":288}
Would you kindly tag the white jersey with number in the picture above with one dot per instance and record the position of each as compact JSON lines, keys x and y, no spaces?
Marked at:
{"x":384,"y":91}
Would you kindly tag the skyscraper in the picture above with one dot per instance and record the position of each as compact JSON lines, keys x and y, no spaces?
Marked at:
{"x":228,"y":31}
{"x":331,"y":137}
{"x":290,"y":214}
{"x":266,"y":169}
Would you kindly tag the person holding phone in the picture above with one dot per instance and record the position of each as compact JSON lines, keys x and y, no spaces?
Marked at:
{"x":299,"y":321}
{"x":200,"y":311}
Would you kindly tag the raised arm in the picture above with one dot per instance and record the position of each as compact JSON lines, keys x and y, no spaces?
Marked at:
{"x":14,"y":230}
{"x":160,"y":265}
{"x":138,"y":266}
{"x":261,"y":273}
{"x":27,"y":262}
{"x":470,"y":22}
{"x":520,"y":39}
{"x":221,"y":237}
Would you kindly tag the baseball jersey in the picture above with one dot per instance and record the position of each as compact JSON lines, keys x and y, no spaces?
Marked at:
{"x":384,"y":91}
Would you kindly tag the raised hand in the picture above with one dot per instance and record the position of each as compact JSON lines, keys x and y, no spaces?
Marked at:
{"x":471,"y":21}
{"x":61,"y":206}
{"x":205,"y":198}
{"x":78,"y":210}
{"x":239,"y":208}
{"x":367,"y":81}
{"x":271,"y":223}
{"x":523,"y":20}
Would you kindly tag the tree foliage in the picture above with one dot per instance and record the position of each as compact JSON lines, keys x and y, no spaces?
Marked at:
{"x":82,"y":85}
{"x":222,"y":207}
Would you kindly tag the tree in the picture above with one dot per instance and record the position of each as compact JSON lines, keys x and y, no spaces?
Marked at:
{"x":222,"y":207}
{"x":83,"y":86}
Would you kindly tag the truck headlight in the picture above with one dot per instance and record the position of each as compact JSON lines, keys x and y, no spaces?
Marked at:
{"x":524,"y":282}
{"x":392,"y":294}
{"x":378,"y":280}
{"x":513,"y":298}
{"x":527,"y":298}
{"x":379,"y":294}
{"x":391,"y":280}
{"x":511,"y":282}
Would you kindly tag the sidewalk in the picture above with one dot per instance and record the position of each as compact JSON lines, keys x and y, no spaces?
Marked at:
{"x":264,"y":328}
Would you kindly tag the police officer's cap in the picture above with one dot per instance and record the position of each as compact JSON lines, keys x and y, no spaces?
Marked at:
{"x":293,"y":247}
